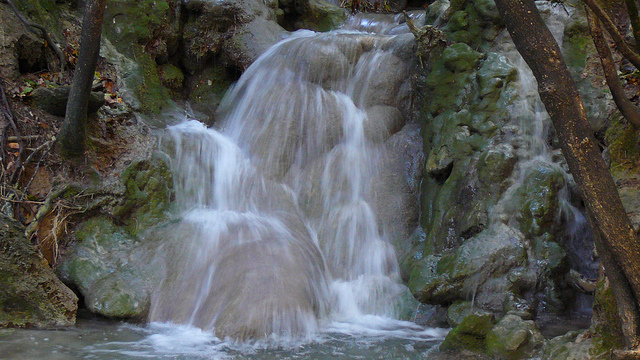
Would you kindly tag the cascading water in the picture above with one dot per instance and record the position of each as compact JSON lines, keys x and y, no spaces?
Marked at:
{"x":282,"y":226}
{"x":537,"y":154}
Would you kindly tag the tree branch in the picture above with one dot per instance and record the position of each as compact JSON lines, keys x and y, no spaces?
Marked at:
{"x":611,"y":28}
{"x":628,"y":109}
{"x":634,"y":19}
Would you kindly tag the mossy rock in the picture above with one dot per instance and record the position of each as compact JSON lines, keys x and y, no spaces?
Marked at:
{"x":513,"y":338}
{"x":320,"y":15}
{"x":460,"y":57}
{"x":574,"y":345}
{"x":455,"y":274}
{"x":459,"y":310}
{"x":538,"y":199}
{"x":148,"y":194}
{"x":45,"y":13}
{"x":469,"y":335}
{"x":31,"y":296}
{"x":109,"y":268}
{"x":171,"y":76}
{"x":130,"y":24}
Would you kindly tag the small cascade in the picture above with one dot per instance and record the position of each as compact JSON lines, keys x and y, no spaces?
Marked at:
{"x":283,"y":222}
{"x":537,"y":155}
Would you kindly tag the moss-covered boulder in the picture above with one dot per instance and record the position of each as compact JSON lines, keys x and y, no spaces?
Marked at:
{"x":538,"y":198}
{"x":107,"y":266}
{"x":22,"y":50}
{"x":513,"y":338}
{"x":469,"y":269}
{"x":317,"y":15}
{"x":31,"y":296}
{"x":470,"y":334}
{"x":574,"y":345}
{"x":148,"y":194}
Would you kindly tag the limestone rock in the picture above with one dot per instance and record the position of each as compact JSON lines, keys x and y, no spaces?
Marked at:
{"x":107,"y":267}
{"x":31,"y":296}
{"x":251,"y":40}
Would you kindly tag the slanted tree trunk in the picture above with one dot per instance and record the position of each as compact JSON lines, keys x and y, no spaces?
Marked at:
{"x":73,"y":132}
{"x":615,"y":238}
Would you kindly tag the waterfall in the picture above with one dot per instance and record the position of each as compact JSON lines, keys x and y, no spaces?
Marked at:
{"x":536,"y":153}
{"x":282,"y":225}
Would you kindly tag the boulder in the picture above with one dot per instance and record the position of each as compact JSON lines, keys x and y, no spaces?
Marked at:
{"x":252,"y":39}
{"x":31,"y":296}
{"x":54,"y":100}
{"x":107,"y":268}
{"x":470,"y":334}
{"x":472,"y":268}
{"x":513,"y":338}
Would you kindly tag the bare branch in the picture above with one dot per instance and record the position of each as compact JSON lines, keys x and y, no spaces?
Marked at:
{"x":628,"y":109}
{"x":611,"y":28}
{"x":634,"y":19}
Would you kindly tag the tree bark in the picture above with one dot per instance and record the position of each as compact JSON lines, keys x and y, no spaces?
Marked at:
{"x":73,"y":133}
{"x":560,"y":96}
{"x":626,"y":107}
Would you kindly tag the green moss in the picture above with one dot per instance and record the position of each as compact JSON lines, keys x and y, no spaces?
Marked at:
{"x":152,"y":95}
{"x":130,"y":23}
{"x":469,"y":335}
{"x":210,"y":85}
{"x":171,"y":76}
{"x":148,"y":194}
{"x":606,"y":328}
{"x":42,"y":12}
{"x":577,"y":45}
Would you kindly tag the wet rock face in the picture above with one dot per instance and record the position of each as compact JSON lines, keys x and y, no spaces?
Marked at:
{"x":110,"y":264}
{"x":31,"y":296}
{"x":490,"y":175}
{"x":106,"y":268}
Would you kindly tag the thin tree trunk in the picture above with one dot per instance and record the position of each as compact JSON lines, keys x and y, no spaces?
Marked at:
{"x":634,"y":19}
{"x":611,"y":28}
{"x":626,"y":107}
{"x":73,"y":132}
{"x":560,"y":96}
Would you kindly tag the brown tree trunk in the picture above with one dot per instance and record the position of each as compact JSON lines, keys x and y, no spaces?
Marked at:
{"x":73,"y":132}
{"x":608,"y":218}
{"x":626,"y":107}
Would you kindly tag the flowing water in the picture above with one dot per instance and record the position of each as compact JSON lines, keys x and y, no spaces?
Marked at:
{"x":285,"y":233}
{"x":289,"y":208}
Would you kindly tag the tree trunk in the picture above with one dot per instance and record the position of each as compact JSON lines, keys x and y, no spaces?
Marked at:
{"x":73,"y":132}
{"x":608,"y":218}
{"x":626,"y":107}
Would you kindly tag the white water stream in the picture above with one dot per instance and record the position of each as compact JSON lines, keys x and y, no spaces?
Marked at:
{"x":282,"y":233}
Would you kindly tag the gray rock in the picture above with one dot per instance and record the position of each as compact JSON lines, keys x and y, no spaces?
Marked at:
{"x":54,"y":100}
{"x":250,"y":40}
